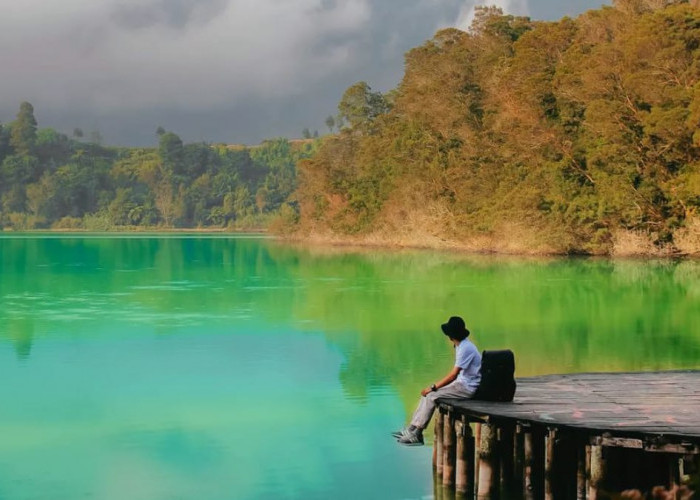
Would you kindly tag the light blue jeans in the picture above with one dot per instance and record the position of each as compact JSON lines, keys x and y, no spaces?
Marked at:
{"x":426,"y":405}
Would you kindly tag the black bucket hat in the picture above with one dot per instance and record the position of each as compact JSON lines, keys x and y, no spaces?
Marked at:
{"x":455,"y":328}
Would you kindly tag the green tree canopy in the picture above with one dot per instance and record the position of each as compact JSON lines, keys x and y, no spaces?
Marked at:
{"x":65,"y":183}
{"x":360,"y":106}
{"x":330,"y":123}
{"x":171,"y":150}
{"x":23,"y":134}
{"x":571,"y":136}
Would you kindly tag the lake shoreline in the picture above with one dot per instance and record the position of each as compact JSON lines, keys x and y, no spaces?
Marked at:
{"x":144,"y":230}
{"x":374,"y":242}
{"x":475,"y":247}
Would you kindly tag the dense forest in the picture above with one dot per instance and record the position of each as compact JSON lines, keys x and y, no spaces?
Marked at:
{"x":50,"y":180}
{"x":576,"y":136}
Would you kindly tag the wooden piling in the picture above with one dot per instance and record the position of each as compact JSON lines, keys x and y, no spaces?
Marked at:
{"x":588,"y":471}
{"x":506,"y":457}
{"x":477,"y":446}
{"x":597,"y":472}
{"x":580,"y":470}
{"x":449,"y":450}
{"x":528,"y":456}
{"x":550,"y":441}
{"x":593,"y":419}
{"x":534,"y":464}
{"x":435,"y":458}
{"x":460,"y":457}
{"x":519,"y":457}
{"x":674,"y":474}
{"x":488,"y":462}
{"x":470,"y":443}
{"x":449,"y":493}
{"x":438,"y":490}
{"x":437,"y":450}
{"x":464,"y":470}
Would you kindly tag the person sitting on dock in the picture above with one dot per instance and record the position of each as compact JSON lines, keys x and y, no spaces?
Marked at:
{"x":461,"y":382}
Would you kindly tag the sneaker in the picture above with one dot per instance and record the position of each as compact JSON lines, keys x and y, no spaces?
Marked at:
{"x":401,"y":432}
{"x":412,"y":438}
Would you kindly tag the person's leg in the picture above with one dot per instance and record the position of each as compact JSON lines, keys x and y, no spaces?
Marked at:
{"x":410,"y":427}
{"x":427,"y":404}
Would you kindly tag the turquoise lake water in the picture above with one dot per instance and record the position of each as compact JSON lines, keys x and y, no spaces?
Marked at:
{"x":218,"y":367}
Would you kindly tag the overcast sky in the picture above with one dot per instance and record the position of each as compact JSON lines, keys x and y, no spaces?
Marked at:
{"x":235,"y":71}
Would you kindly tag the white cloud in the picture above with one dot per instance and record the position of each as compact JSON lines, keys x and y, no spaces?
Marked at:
{"x":466,"y":13}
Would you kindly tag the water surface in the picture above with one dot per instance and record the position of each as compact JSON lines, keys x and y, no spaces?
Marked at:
{"x":190,"y":367}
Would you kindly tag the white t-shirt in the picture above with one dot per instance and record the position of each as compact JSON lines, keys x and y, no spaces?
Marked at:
{"x":468,"y":358}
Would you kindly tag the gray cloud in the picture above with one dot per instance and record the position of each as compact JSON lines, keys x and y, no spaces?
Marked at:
{"x":176,"y":14}
{"x":218,"y":70}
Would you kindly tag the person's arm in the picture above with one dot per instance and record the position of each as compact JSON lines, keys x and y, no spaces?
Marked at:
{"x":449,"y":378}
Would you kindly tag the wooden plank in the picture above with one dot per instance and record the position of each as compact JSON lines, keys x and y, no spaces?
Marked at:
{"x":617,"y":442}
{"x":629,"y":405}
{"x":679,"y":449}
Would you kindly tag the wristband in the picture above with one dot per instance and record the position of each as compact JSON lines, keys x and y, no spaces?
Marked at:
{"x":433,"y":388}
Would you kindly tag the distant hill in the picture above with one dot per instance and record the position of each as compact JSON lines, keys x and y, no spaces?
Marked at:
{"x":51,"y":181}
{"x":576,"y":136}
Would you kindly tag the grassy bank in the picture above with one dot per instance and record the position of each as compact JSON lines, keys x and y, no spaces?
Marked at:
{"x":516,"y":241}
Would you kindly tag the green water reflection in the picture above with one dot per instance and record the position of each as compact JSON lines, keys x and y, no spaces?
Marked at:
{"x":218,"y":367}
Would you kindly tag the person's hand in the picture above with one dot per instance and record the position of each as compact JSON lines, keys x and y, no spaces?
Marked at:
{"x":426,"y":391}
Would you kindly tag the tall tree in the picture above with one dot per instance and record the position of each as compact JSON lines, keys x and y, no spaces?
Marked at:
{"x":4,"y":142}
{"x":171,"y":151}
{"x":360,"y":106}
{"x":23,"y":134}
{"x":330,"y":123}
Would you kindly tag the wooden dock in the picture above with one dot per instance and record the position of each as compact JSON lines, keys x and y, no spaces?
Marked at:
{"x":577,"y":436}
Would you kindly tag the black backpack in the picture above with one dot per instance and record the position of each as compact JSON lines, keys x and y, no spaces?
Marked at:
{"x":497,"y":376}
